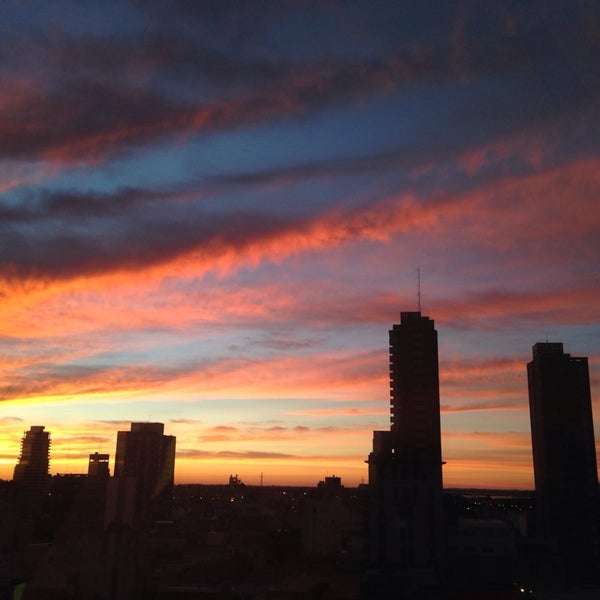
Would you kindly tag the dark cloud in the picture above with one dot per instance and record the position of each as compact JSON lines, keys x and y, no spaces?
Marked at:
{"x":66,"y":440}
{"x":100,"y":95}
{"x":86,"y":120}
{"x":301,"y":428}
{"x":225,"y":428}
{"x":275,"y":342}
{"x":136,"y":242}
{"x":502,"y":307}
{"x":10,"y":420}
{"x":73,"y":205}
{"x":139,"y":238}
{"x":319,"y":169}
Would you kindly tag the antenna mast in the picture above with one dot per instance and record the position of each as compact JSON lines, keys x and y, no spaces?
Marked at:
{"x":419,"y":287}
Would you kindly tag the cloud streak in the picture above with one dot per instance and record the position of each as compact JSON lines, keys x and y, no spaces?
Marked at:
{"x":243,"y":234}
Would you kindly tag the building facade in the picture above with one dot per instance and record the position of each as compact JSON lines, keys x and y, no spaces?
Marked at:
{"x":143,"y":474}
{"x":405,"y":467}
{"x":32,"y":469}
{"x":564,"y":458}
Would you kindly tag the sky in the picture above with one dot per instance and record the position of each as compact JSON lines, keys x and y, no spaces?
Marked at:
{"x":211,"y":214}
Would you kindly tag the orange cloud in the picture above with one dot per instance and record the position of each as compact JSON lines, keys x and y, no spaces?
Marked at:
{"x":339,"y":412}
{"x":478,"y":407}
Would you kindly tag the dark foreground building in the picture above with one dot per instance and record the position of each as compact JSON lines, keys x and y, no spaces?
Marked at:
{"x":138,"y":496}
{"x":142,"y":486}
{"x":564,"y":458}
{"x":405,"y":468}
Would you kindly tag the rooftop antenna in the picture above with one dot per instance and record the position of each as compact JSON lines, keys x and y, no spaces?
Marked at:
{"x":419,"y":288}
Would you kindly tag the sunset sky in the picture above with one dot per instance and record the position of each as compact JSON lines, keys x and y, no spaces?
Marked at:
{"x":212,"y":213}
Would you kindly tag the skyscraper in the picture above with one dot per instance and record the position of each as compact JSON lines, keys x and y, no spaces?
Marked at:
{"x":405,"y":466}
{"x":564,"y":457}
{"x":143,"y":474}
{"x":32,"y":469}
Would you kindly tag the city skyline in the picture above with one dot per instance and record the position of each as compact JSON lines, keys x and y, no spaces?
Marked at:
{"x":113,"y":458}
{"x":210,"y":215}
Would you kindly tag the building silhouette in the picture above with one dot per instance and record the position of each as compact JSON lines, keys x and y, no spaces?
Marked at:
{"x":96,"y":483}
{"x":142,"y":485}
{"x":564,"y":458}
{"x":405,"y":467}
{"x":322,"y":531}
{"x":137,"y":496}
{"x":98,"y":466}
{"x":31,"y":471}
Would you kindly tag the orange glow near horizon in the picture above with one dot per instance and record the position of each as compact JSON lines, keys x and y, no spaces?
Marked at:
{"x":461,"y":473}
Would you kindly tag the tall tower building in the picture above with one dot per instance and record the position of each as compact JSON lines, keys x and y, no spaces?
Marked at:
{"x":32,"y":469}
{"x":564,"y":457}
{"x":143,"y":474}
{"x":405,"y":466}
